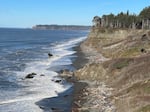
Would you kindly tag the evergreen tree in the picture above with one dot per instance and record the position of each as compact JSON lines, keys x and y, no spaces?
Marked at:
{"x":124,"y":20}
{"x":145,"y":13}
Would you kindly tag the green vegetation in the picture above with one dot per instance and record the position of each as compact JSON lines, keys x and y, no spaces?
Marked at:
{"x":124,"y":20}
{"x":131,"y":52}
{"x":147,"y":89}
{"x":128,"y":51}
{"x":61,"y":27}
{"x":121,"y":64}
{"x":145,"y":109}
{"x":145,"y":13}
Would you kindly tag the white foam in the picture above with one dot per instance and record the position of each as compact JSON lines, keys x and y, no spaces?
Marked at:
{"x":21,"y":106}
{"x":40,"y":86}
{"x":63,"y":48}
{"x":70,"y":43}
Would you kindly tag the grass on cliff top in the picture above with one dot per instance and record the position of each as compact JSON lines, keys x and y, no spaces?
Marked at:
{"x":121,"y":64}
{"x":104,"y":30}
{"x":139,"y":88}
{"x":147,"y":89}
{"x":131,"y":52}
{"x":144,"y":109}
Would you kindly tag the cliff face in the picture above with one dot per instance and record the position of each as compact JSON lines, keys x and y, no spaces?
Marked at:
{"x":118,"y":43}
{"x":127,"y":69}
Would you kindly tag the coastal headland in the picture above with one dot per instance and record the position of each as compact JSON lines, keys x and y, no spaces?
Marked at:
{"x":117,"y":74}
{"x":61,"y":27}
{"x":113,"y":65}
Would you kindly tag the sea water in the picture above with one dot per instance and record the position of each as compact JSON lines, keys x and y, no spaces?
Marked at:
{"x":25,"y":51}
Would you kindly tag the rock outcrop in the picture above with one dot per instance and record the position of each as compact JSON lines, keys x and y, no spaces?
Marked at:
{"x":30,"y":75}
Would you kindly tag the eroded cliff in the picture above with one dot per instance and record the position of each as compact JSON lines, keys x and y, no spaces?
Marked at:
{"x":126,"y":69}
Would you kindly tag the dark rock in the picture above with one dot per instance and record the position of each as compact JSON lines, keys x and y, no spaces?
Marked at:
{"x":42,"y":75}
{"x":144,"y":37}
{"x":57,"y":81}
{"x":50,"y":55}
{"x":61,"y":71}
{"x":42,"y":107}
{"x":31,"y":75}
{"x":64,"y":71}
{"x":143,"y":50}
{"x":56,"y":110}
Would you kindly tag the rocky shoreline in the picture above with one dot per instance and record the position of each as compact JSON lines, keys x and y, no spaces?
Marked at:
{"x":93,"y":96}
{"x":88,"y":95}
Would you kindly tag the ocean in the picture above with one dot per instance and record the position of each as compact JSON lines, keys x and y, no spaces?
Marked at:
{"x":25,"y":51}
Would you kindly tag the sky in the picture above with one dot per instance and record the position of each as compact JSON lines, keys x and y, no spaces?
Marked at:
{"x":27,"y":13}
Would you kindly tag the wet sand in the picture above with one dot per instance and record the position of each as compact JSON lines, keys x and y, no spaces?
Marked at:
{"x":81,"y":58}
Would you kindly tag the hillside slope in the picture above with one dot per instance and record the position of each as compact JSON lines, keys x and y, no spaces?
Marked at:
{"x":125,"y":69}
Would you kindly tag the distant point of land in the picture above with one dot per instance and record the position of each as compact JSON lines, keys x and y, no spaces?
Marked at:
{"x":61,"y":27}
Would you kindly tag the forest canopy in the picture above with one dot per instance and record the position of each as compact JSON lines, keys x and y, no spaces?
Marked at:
{"x":124,"y":20}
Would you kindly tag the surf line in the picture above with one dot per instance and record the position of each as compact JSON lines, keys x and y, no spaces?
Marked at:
{"x":23,"y":99}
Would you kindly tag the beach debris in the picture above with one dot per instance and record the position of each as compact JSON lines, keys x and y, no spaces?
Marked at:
{"x":97,"y":99}
{"x":31,"y":75}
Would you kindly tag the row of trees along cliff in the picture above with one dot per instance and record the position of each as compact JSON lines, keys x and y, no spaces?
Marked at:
{"x":124,"y":20}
